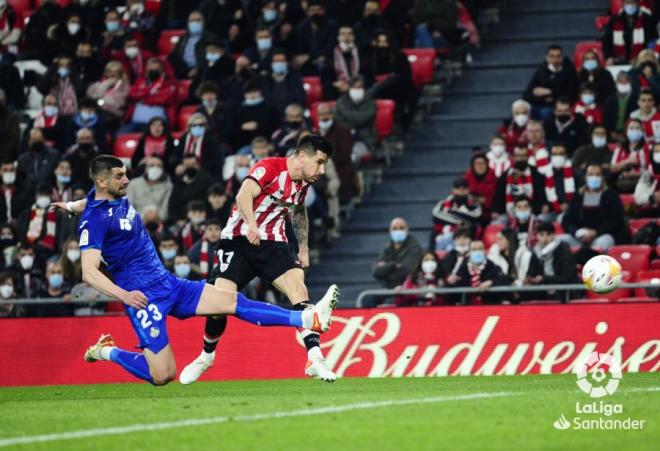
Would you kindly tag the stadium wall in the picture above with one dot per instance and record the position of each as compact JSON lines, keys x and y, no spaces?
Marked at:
{"x":429,"y":341}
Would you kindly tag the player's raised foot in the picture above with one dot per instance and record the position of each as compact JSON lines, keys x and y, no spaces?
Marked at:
{"x":318,"y":319}
{"x":95,"y":352}
{"x":319,"y":368}
{"x":196,"y":368}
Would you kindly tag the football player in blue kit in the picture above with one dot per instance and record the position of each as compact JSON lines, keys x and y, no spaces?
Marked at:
{"x":112,"y":232}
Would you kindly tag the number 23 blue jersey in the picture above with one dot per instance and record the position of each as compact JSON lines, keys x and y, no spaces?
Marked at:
{"x":115,"y":228}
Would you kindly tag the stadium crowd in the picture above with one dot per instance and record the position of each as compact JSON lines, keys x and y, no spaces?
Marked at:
{"x":567,"y":176}
{"x":190,"y":94}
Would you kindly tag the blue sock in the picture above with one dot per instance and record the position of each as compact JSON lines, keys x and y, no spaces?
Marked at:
{"x":133,"y":362}
{"x":263,"y":314}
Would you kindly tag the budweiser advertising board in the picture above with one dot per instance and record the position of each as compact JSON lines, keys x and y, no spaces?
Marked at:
{"x":432,"y":341}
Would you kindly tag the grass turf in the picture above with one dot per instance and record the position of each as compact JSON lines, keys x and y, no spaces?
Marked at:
{"x":523,"y":420}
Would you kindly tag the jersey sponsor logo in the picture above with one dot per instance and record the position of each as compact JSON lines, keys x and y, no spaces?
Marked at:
{"x":259,"y":172}
{"x":84,"y":238}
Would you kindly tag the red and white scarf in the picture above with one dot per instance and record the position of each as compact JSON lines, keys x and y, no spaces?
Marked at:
{"x":522,"y":185}
{"x":540,"y":158}
{"x":67,"y":98}
{"x":344,"y":73}
{"x":36,"y":227}
{"x":8,"y":194}
{"x":498,"y":165}
{"x":193,"y":147}
{"x":638,"y":38}
{"x":41,"y":121}
{"x":569,"y":186}
{"x":188,"y":235}
{"x":591,"y":113}
{"x":475,"y":280}
{"x":204,"y":259}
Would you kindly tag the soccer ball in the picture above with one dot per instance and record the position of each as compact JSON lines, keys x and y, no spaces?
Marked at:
{"x":602,"y":274}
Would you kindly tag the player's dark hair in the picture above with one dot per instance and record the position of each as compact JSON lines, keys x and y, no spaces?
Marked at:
{"x":102,"y":164}
{"x":545,"y":226}
{"x":311,"y":143}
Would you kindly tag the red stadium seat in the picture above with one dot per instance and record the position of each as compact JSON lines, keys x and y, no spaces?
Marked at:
{"x":628,"y":200}
{"x":313,"y":113}
{"x":125,"y":145}
{"x":638,"y":299}
{"x":490,"y":234}
{"x":635,"y":224}
{"x":182,"y":89}
{"x":589,"y":301}
{"x":615,"y":6}
{"x":655,"y":264}
{"x":632,"y":257}
{"x":169,"y":71}
{"x":440,"y":254}
{"x":168,"y":39}
{"x":619,"y":293}
{"x":313,"y":90}
{"x":22,"y":6}
{"x":115,"y":308}
{"x":601,"y":22}
{"x":152,"y":6}
{"x":184,"y":115}
{"x":651,"y":275}
{"x":585,"y":46}
{"x":541,"y":302}
{"x":384,"y":117}
{"x":422,"y":65}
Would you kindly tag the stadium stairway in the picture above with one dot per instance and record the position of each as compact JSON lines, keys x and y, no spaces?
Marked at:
{"x":439,"y":150}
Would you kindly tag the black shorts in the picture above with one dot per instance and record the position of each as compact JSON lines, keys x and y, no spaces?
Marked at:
{"x":240,"y":261}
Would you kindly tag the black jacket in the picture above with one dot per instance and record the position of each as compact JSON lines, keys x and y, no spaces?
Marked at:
{"x":490,"y":272}
{"x":650,"y":33}
{"x":182,"y":193}
{"x":211,"y":159}
{"x":10,"y":133}
{"x":573,"y":136}
{"x":608,"y":218}
{"x":562,"y":84}
{"x":11,"y":83}
{"x":602,"y":81}
{"x":538,"y":185}
{"x":220,"y":73}
{"x":176,"y":56}
{"x":263,"y":114}
{"x":563,"y":265}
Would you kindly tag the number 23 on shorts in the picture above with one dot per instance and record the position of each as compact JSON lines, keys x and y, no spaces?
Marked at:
{"x":143,"y":315}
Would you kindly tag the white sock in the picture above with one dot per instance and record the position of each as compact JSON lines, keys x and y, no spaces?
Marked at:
{"x":307,"y":317}
{"x":105,"y":352}
{"x":315,"y":353}
{"x":208,"y":356}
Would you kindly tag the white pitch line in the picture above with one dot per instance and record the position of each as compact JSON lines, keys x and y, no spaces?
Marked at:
{"x":242,"y":418}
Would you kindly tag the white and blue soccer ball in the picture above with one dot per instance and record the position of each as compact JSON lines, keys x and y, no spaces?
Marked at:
{"x":602,"y":274}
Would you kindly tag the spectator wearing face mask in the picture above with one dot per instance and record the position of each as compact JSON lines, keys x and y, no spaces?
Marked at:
{"x":68,"y":34}
{"x":513,"y":129}
{"x":286,"y":137}
{"x":587,"y":107}
{"x":627,"y":33}
{"x":561,"y":186}
{"x":427,"y":274}
{"x":555,"y":78}
{"x":133,"y":58}
{"x":596,"y":152}
{"x":38,"y":225}
{"x":88,"y":64}
{"x":7,"y":292}
{"x":595,"y":216}
{"x":347,"y":62}
{"x":200,"y":145}
{"x":254,"y":117}
{"x":70,"y":261}
{"x":457,"y":209}
{"x":459,"y":251}
{"x":539,"y":154}
{"x":153,"y":188}
{"x":593,"y":73}
{"x":46,"y":16}
{"x":29,"y":273}
{"x":89,"y":118}
{"x":477,"y":271}
{"x":399,"y":256}
{"x":8,"y":243}
{"x":189,"y":53}
{"x":218,"y":204}
{"x":628,"y":159}
{"x":111,"y":93}
{"x":54,"y":287}
{"x":282,"y":86}
{"x":50,"y":122}
{"x":558,"y":263}
{"x":356,"y":110}
{"x":499,"y":159}
{"x":314,"y":38}
{"x":523,"y":221}
{"x":519,"y":180}
{"x":342,"y":141}
{"x":481,"y":182}
{"x":168,"y":249}
{"x":648,"y":115}
{"x":80,"y":156}
{"x":202,"y":255}
{"x":370,"y":25}
{"x":217,"y":114}
{"x":566,"y":127}
{"x":236,"y":169}
{"x":61,"y":80}
{"x":191,"y":185}
{"x":38,"y":163}
{"x":183,"y":268}
{"x":157,"y":141}
{"x":261,"y":54}
{"x":113,"y":34}
{"x":644,"y":72}
{"x":647,"y":190}
{"x":136,"y":19}
{"x":193,"y":228}
{"x":618,"y":106}
{"x":16,"y":193}
{"x":217,"y":67}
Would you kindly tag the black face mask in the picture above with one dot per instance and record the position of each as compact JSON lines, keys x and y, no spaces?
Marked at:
{"x":294,"y":124}
{"x":6,"y":242}
{"x":191,"y":173}
{"x":372,"y":19}
{"x":317,"y":19}
{"x":153,"y":75}
{"x":563,"y":118}
{"x":85,"y":147}
{"x":461,"y":200}
{"x":152,"y":227}
{"x":37,"y":147}
{"x":520,"y":165}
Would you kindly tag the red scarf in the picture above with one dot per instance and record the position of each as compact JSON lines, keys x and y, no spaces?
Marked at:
{"x":36,"y":227}
{"x":155,"y":146}
{"x":188,"y":235}
{"x":638,"y":38}
{"x":569,"y":186}
{"x":521,"y":185}
{"x":475,"y":280}
{"x":591,"y":113}
{"x":344,"y":73}
{"x":204,"y":259}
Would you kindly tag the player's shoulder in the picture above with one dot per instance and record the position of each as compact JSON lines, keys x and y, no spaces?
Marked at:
{"x":268,"y":168}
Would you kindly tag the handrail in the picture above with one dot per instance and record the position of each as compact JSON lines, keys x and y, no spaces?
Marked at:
{"x":497,"y":289}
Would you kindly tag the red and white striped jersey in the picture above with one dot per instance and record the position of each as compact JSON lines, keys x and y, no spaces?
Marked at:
{"x":279,"y":193}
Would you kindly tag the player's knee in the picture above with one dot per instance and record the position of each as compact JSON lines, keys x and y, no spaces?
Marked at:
{"x":163,"y":377}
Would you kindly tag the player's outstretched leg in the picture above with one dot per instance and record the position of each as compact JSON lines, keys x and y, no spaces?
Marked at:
{"x":213,"y":329}
{"x":133,"y":362}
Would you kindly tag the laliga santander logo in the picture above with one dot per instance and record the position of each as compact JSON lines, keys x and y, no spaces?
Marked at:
{"x":592,"y":376}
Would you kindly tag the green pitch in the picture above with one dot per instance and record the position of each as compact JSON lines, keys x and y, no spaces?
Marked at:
{"x":480,"y":413}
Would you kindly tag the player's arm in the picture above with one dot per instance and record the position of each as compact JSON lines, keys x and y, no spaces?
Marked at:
{"x":300,"y":224}
{"x":91,"y":261}
{"x":249,"y":191}
{"x":72,"y":207}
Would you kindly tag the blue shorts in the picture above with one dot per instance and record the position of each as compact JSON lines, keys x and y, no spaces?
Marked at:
{"x":170,"y":296}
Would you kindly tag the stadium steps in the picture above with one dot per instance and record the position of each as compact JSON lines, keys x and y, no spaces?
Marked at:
{"x":440,"y":149}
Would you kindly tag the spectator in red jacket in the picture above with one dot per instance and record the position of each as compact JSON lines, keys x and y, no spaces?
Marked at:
{"x":513,"y":129}
{"x":586,"y":105}
{"x":133,"y":58}
{"x":481,"y":182}
{"x":153,"y":95}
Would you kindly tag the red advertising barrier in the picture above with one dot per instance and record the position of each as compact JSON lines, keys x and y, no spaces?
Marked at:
{"x":430,"y":341}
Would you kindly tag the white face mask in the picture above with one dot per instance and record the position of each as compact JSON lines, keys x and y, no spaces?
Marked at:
{"x":137,"y":8}
{"x":8,"y":178}
{"x":73,"y":255}
{"x":356,"y":94}
{"x":520,"y":119}
{"x":6,"y":291}
{"x":132,"y":52}
{"x":26,"y":262}
{"x":154,"y":173}
{"x":497,"y":149}
{"x":656,"y":157}
{"x":462,"y":248}
{"x":558,"y":161}
{"x":325,"y":125}
{"x":623,"y":88}
{"x":43,"y":201}
{"x":345,"y":47}
{"x":429,"y":266}
{"x":73,"y":28}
